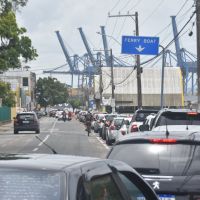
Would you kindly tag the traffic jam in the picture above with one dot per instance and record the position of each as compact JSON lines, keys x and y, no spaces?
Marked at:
{"x":162,"y":146}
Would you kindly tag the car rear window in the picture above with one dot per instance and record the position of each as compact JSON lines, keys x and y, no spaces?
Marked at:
{"x":141,"y":115}
{"x":178,"y":118}
{"x":31,"y":185}
{"x":110,"y":117}
{"x":26,"y":116}
{"x":118,"y":122}
{"x":163,"y":159}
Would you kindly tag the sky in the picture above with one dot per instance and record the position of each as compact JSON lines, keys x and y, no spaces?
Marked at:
{"x":42,"y":18}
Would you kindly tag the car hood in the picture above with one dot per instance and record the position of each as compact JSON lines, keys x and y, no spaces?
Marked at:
{"x":174,"y":184}
{"x":177,"y":128}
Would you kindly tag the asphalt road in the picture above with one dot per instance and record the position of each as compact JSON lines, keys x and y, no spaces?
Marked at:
{"x":68,"y":138}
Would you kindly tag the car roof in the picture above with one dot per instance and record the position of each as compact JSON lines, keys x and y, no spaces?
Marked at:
{"x":179,"y":135}
{"x":25,"y":113}
{"x":55,"y":162}
{"x":184,"y":110}
{"x":42,"y":161}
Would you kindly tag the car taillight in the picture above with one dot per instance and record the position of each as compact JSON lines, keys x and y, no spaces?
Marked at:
{"x":112,"y":127}
{"x":192,"y":113}
{"x":163,"y":140}
{"x":123,"y":132}
{"x":134,"y":128}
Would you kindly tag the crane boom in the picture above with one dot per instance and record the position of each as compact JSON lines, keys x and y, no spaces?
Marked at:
{"x":69,"y":61}
{"x":105,"y":44}
{"x":92,"y":59}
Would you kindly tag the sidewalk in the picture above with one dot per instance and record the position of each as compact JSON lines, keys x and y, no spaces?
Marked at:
{"x":5,"y":126}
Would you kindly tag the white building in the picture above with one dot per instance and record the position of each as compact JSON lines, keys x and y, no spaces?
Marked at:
{"x":23,"y":83}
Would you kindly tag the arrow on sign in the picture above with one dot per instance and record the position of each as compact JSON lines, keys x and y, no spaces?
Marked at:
{"x":140,"y":48}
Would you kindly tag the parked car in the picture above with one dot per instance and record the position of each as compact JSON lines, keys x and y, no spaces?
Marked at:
{"x":124,"y":128}
{"x":138,"y":118}
{"x":97,"y":125}
{"x":61,"y":177}
{"x":26,"y":121}
{"x":113,"y":129}
{"x":177,"y":120}
{"x":106,"y":123}
{"x":148,"y":123}
{"x":169,"y":162}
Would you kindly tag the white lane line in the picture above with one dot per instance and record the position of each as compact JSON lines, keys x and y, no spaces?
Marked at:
{"x":35,"y":149}
{"x":52,"y":129}
{"x":98,"y":138}
{"x":45,"y":139}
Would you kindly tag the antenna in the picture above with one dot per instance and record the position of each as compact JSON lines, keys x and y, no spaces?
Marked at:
{"x":167,"y":132}
{"x":54,"y":152}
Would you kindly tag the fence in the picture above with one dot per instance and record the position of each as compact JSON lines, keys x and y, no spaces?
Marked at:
{"x":5,"y":114}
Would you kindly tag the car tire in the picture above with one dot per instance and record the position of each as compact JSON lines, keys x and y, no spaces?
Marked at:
{"x":107,"y":140}
{"x":15,"y":132}
{"x":37,"y":131}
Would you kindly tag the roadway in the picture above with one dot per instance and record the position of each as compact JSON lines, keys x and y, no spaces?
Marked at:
{"x":68,"y":138}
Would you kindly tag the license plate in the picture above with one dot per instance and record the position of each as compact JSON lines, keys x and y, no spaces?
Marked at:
{"x":166,"y":197}
{"x":26,"y":122}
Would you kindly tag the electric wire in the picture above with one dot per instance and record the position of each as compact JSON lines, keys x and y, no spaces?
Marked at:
{"x":153,"y":12}
{"x":135,"y":5}
{"x":115,"y":5}
{"x":125,"y":5}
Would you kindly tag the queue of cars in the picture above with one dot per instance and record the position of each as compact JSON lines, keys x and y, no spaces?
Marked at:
{"x":163,"y":147}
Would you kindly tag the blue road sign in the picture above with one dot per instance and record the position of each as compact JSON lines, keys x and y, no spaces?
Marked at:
{"x":140,"y":45}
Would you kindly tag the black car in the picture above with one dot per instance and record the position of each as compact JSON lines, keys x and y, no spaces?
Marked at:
{"x":26,"y":121}
{"x":61,"y":177}
{"x":169,"y":162}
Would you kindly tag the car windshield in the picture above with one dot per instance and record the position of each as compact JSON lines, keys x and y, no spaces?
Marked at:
{"x":178,"y":118}
{"x":30,"y":185}
{"x":170,"y":159}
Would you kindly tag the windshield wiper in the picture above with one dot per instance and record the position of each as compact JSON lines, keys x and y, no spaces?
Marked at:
{"x":52,"y":149}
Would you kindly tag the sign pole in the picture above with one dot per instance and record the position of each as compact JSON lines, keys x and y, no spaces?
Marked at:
{"x":139,"y":84}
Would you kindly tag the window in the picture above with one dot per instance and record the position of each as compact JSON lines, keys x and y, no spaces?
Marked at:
{"x":104,"y":188}
{"x":31,"y":185}
{"x":25,"y":81}
{"x":132,"y":189}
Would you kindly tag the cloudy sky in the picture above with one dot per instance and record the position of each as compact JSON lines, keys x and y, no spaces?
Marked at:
{"x":43,"y":17}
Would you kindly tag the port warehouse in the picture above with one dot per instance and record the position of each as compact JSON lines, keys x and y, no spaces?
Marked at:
{"x":125,"y":92}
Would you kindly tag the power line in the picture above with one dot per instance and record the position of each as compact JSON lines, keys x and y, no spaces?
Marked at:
{"x":153,"y":12}
{"x":135,"y":5}
{"x":125,"y":5}
{"x":115,"y":5}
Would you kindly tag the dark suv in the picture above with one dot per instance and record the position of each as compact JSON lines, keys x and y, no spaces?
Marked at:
{"x":26,"y":121}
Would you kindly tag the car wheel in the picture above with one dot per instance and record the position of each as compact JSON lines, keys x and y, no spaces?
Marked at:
{"x":37,"y":131}
{"x":15,"y":132}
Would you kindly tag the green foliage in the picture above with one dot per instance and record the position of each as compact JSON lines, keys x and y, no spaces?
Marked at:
{"x":50,"y":91}
{"x":13,"y":42}
{"x":8,"y":97}
{"x":75,"y":103}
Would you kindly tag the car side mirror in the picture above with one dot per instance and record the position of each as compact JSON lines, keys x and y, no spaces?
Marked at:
{"x":144,"y":127}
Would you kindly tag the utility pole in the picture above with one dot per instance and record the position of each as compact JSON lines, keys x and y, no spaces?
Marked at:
{"x":112,"y":83}
{"x":198,"y":49}
{"x":139,"y":84}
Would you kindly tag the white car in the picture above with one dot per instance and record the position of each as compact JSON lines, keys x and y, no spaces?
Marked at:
{"x":113,"y":129}
{"x":124,"y":128}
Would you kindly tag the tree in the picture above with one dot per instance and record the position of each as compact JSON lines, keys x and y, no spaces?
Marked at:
{"x":14,"y":44}
{"x":7,"y":95}
{"x":75,"y":103}
{"x":50,"y":91}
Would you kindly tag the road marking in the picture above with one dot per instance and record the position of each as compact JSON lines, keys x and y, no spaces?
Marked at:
{"x":35,"y":149}
{"x":51,"y":131}
{"x":45,"y":139}
{"x":98,"y":138}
